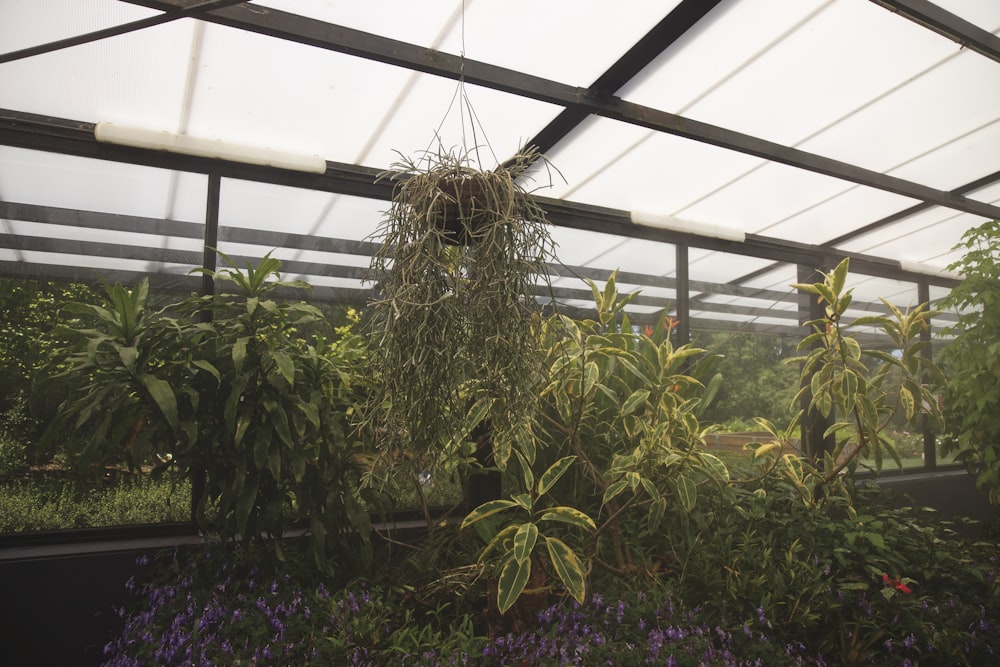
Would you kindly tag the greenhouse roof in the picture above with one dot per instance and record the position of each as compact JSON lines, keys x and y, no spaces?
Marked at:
{"x":753,"y":135}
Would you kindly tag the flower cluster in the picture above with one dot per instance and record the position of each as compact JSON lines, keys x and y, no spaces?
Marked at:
{"x":641,"y":630}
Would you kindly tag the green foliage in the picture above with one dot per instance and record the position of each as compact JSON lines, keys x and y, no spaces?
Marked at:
{"x":861,"y":391}
{"x":972,"y":360}
{"x":755,"y":382}
{"x":518,"y":541}
{"x":30,"y":312}
{"x":240,"y":387}
{"x":50,"y":504}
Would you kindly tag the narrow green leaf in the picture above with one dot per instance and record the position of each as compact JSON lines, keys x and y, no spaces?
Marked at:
{"x":240,"y":353}
{"x":487,"y":509}
{"x":246,"y":502}
{"x":591,"y":373}
{"x":210,"y":368}
{"x":909,"y":403}
{"x":513,"y":578}
{"x":613,"y":490}
{"x":568,"y":568}
{"x":637,"y":399}
{"x":524,"y":540}
{"x":687,"y":492}
{"x":552,"y":475}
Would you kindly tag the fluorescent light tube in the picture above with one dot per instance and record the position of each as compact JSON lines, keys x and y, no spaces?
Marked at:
{"x":208,"y":148}
{"x":687,"y":226}
{"x":919,"y":267}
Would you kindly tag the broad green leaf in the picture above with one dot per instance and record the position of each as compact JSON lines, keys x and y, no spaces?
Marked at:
{"x":311,"y":412}
{"x":487,"y":509}
{"x":718,"y":467}
{"x":568,"y":568}
{"x":286,"y":367}
{"x":552,"y":475}
{"x":513,"y":577}
{"x":524,"y":501}
{"x":163,"y":395}
{"x":524,"y":540}
{"x":569,"y":515}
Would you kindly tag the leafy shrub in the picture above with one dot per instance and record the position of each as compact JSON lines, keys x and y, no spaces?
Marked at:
{"x":972,"y":360}
{"x":244,"y":393}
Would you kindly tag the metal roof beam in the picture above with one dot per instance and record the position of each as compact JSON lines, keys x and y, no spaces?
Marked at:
{"x":681,"y":19}
{"x":312,"y":32}
{"x":949,"y":25}
{"x":77,"y":138}
{"x":168,"y":15}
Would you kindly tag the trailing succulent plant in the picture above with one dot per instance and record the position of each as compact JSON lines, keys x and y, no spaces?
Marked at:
{"x":453,"y":323}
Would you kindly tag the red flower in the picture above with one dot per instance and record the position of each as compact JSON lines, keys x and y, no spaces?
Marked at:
{"x":896,"y":583}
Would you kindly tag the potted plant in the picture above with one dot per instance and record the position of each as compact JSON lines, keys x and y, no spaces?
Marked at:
{"x":454,"y":343}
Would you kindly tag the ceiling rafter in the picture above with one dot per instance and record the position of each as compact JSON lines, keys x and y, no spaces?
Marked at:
{"x":191,"y":10}
{"x":72,"y":137}
{"x":313,"y":32}
{"x":681,"y":19}
{"x":955,"y":28}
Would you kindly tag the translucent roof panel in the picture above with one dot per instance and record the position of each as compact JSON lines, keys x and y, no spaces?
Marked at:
{"x":812,"y":129}
{"x":587,"y":35}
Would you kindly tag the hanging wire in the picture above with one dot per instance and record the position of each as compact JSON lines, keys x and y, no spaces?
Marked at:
{"x":468,"y":118}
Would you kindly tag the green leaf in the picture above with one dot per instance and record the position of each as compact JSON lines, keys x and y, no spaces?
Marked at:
{"x":240,"y":353}
{"x":286,"y":367}
{"x":687,"y":492}
{"x":163,"y":395}
{"x":569,"y":515}
{"x":128,"y":356}
{"x":568,"y":568}
{"x":245,"y":503}
{"x":513,"y":578}
{"x":554,"y":472}
{"x":613,"y":490}
{"x":719,"y":469}
{"x":524,"y":540}
{"x":591,"y":373}
{"x":206,"y":366}
{"x":487,"y":509}
{"x":634,"y":402}
{"x":497,"y":540}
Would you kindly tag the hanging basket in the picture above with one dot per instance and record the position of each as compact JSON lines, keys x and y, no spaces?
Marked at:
{"x":463,"y":204}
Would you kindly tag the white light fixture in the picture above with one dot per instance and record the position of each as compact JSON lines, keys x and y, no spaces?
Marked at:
{"x":208,"y":148}
{"x":927,"y":270}
{"x":687,"y":226}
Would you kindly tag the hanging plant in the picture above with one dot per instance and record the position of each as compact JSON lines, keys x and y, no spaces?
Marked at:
{"x":452,"y":323}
